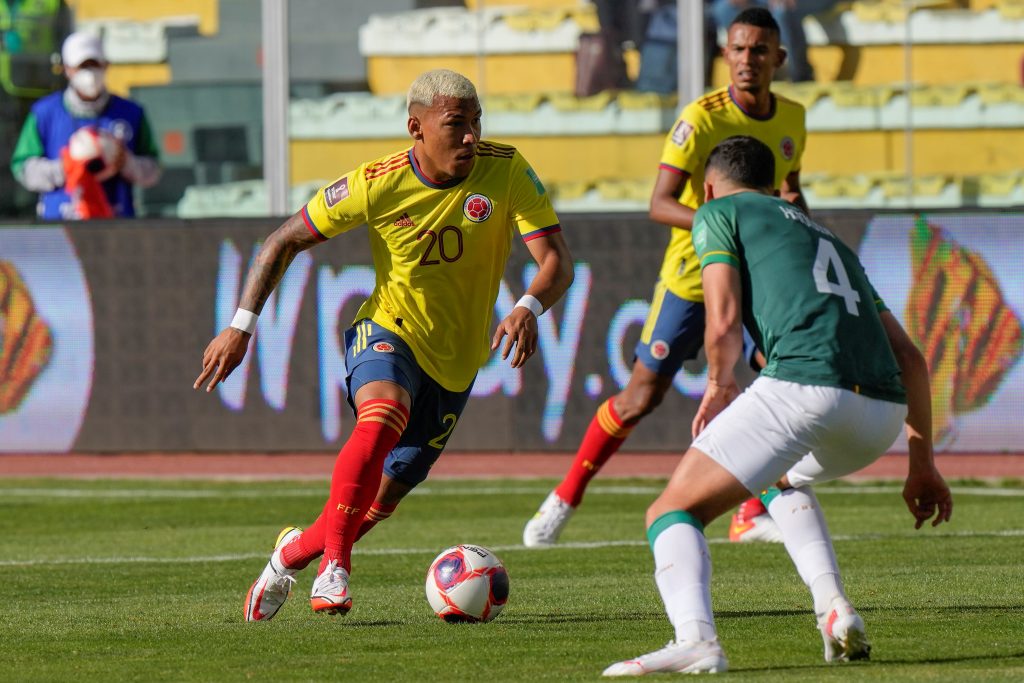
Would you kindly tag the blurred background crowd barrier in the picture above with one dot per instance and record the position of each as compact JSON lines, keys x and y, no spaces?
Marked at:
{"x":915,"y":124}
{"x":104,"y":324}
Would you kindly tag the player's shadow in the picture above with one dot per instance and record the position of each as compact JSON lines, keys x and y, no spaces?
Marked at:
{"x":979,"y":609}
{"x":577,"y":618}
{"x":372,"y":623}
{"x":766,"y":613}
{"x":952,"y":659}
{"x":876,"y":663}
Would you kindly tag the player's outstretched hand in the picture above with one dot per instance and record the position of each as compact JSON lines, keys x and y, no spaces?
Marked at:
{"x":927,"y":494}
{"x":716,"y":398}
{"x":222,"y":355}
{"x":521,"y":328}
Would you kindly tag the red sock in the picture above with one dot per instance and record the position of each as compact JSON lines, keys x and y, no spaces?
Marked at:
{"x":357,"y":474}
{"x":378,"y":512}
{"x":308,"y":546}
{"x":604,"y":436}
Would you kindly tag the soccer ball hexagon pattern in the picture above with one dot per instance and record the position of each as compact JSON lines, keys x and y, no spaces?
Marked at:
{"x":467,"y":584}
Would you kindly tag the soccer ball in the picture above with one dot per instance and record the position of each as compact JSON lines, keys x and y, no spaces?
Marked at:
{"x":467,"y":584}
{"x":98,"y":148}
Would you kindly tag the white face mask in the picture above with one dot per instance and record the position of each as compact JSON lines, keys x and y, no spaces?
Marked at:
{"x":88,"y":82}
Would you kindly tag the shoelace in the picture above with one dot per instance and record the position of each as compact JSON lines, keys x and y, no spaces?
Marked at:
{"x":334,"y":575}
{"x":282,"y":581}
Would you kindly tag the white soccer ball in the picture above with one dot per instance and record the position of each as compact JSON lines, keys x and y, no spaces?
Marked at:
{"x":98,"y":148}
{"x":467,"y":584}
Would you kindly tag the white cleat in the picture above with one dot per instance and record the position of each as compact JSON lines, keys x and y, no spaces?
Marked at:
{"x":545,"y":526}
{"x":330,"y":591}
{"x":753,"y":524}
{"x":685,"y":657}
{"x":274,"y":585}
{"x":842,"y":629}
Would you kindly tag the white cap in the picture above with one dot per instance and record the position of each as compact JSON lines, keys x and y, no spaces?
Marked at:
{"x":80,"y":47}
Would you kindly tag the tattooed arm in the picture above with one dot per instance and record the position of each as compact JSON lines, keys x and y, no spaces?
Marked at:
{"x":228,"y":348}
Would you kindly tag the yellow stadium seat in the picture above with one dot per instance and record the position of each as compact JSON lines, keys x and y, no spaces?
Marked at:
{"x":521,"y":104}
{"x":615,"y":190}
{"x":856,"y":187}
{"x":998,"y":184}
{"x":567,"y":190}
{"x":518,"y":4}
{"x":938,"y":95}
{"x":821,"y":185}
{"x":569,"y":103}
{"x":896,"y":186}
{"x":1000,"y":93}
{"x":835,"y":187}
{"x":849,"y":95}
{"x":804,"y":93}
{"x":548,"y":19}
{"x":1011,"y":9}
{"x":631,"y":99}
{"x":133,"y":10}
{"x":895,"y":11}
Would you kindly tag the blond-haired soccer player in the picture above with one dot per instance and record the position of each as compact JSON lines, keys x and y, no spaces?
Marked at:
{"x":442,"y":215}
{"x":841,"y":378}
{"x":674,"y":330}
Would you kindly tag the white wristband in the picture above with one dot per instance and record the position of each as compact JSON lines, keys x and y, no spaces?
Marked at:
{"x":531,"y":303}
{"x":244,"y":320}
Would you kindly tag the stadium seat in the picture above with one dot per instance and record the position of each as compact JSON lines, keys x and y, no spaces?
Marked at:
{"x":925,"y":191}
{"x":896,"y":11}
{"x":1001,"y":189}
{"x":347,"y":115}
{"x":204,"y":14}
{"x":1002,"y":105}
{"x":1011,"y":9}
{"x":238,"y":199}
{"x":823,"y":191}
{"x":525,"y":49}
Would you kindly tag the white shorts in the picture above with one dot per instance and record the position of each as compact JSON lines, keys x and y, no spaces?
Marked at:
{"x":810,"y":433}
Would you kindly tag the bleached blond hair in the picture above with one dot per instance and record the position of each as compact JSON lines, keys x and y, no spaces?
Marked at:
{"x":440,"y":83}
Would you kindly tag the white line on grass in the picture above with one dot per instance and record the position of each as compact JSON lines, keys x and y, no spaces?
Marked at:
{"x":236,"y":493}
{"x":1005,"y":533}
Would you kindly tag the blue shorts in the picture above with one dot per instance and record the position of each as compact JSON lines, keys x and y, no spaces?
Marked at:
{"x":674,"y":333}
{"x":374,"y":354}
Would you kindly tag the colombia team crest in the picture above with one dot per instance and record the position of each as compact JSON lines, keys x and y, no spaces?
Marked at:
{"x":477,"y":208}
{"x":787,"y":147}
{"x":383,"y":347}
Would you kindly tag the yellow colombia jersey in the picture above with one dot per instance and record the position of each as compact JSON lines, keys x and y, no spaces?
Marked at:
{"x":703,"y":124}
{"x":439,"y":249}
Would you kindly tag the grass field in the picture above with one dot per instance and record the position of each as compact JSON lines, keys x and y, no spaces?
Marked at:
{"x":144,"y":581}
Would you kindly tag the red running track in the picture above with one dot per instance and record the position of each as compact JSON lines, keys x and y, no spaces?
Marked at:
{"x":988,"y":466}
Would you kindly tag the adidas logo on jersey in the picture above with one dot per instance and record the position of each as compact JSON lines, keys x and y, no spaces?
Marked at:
{"x":405,"y":222}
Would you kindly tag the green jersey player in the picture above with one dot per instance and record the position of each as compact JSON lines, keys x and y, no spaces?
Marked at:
{"x":841,"y":378}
